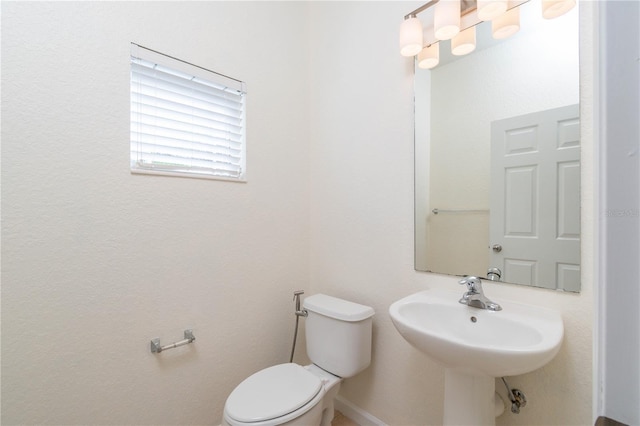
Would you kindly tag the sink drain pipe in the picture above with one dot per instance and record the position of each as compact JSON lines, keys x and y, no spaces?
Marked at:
{"x":516,"y":396}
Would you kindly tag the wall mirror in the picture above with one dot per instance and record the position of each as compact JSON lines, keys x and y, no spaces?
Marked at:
{"x":497,"y":145}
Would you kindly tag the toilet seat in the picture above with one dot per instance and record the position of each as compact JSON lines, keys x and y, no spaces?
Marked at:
{"x":273,"y":392}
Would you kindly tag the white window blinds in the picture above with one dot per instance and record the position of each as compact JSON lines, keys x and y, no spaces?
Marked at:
{"x":185,"y":120}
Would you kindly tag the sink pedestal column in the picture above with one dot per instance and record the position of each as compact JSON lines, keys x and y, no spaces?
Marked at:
{"x":468,"y":399}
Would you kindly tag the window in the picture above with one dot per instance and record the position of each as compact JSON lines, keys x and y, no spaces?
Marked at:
{"x":185,"y":120}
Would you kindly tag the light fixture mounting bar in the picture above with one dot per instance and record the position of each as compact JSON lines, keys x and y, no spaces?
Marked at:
{"x":466,"y":6}
{"x":421,"y":9}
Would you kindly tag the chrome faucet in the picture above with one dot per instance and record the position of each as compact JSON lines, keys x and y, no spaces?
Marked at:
{"x":475,"y":296}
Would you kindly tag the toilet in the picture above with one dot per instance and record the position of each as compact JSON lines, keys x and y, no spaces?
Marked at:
{"x":338,"y":334}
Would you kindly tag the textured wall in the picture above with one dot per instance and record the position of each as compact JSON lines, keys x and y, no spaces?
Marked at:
{"x":88,"y":279}
{"x":96,"y":261}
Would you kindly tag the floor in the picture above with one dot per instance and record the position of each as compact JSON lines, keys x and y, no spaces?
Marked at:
{"x":601,"y":421}
{"x":340,"y":419}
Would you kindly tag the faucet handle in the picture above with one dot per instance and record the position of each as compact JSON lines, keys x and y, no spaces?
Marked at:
{"x":474,"y":284}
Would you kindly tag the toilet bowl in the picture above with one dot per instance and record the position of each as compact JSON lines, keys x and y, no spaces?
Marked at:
{"x":339,"y":345}
{"x":285,"y":394}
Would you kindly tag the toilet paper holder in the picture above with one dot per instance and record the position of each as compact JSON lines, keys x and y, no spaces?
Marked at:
{"x":156,"y":348}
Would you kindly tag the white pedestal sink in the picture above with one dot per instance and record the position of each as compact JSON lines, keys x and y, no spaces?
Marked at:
{"x":476,"y":345}
{"x":468,"y":399}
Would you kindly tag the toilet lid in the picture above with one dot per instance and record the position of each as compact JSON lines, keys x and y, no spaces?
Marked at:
{"x":272,"y":392}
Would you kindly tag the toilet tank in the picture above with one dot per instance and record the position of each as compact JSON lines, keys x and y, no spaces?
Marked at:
{"x":338,"y":334}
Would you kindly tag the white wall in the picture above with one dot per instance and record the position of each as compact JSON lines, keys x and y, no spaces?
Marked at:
{"x":362,"y":223}
{"x":618,"y":321}
{"x":87,"y":279}
{"x":97,"y":261}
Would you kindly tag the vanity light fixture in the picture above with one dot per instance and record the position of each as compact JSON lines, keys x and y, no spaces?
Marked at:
{"x":446,"y":19}
{"x":464,"y":42}
{"x":411,"y":36}
{"x":429,"y":57}
{"x":489,"y":9}
{"x":456,"y":20}
{"x":554,"y":8}
{"x":507,"y":24}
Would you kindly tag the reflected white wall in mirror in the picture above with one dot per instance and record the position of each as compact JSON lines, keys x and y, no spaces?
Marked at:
{"x":535,"y":70}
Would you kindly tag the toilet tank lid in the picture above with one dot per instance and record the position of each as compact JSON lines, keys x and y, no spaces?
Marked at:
{"x":337,"y":308}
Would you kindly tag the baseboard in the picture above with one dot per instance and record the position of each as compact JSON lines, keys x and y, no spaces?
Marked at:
{"x":355,"y":413}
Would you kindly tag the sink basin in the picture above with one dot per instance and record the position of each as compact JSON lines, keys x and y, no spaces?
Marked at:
{"x":516,"y":340}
